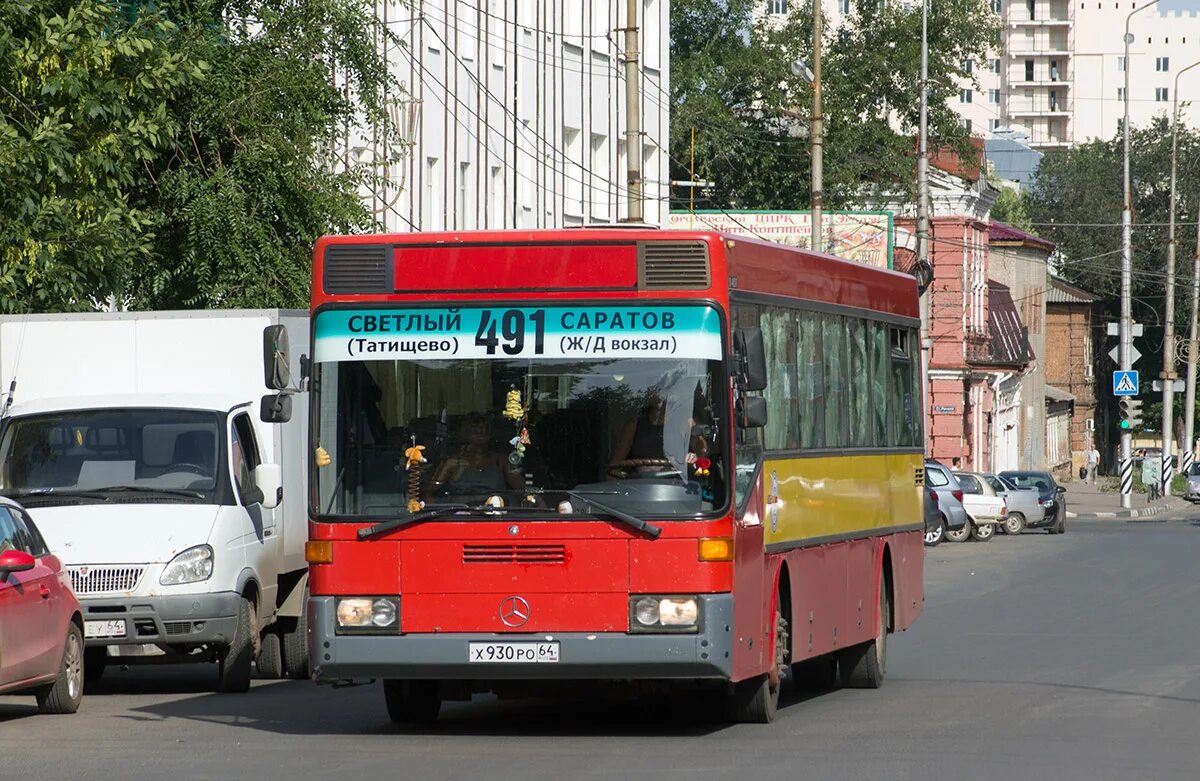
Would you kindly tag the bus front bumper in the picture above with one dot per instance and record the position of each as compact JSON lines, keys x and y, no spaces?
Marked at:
{"x":581,"y":655}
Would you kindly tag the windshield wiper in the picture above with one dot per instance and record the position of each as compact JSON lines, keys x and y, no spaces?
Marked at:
{"x":417,"y":517}
{"x":645,"y":527}
{"x":59,"y":493}
{"x":189,"y":493}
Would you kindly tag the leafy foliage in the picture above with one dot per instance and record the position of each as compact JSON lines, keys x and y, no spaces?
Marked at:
{"x":1011,"y":209}
{"x":83,"y":112}
{"x":182,"y":157}
{"x":1076,"y":200}
{"x":732,"y":82}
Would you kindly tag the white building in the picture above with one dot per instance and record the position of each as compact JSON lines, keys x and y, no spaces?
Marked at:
{"x":513,"y":114}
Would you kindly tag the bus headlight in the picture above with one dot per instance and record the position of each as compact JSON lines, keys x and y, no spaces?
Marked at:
{"x":652,"y":613}
{"x":368,"y":614}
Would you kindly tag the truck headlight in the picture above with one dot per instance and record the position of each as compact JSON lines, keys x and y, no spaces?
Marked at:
{"x":368,"y":614}
{"x":652,"y":613}
{"x":190,"y":566}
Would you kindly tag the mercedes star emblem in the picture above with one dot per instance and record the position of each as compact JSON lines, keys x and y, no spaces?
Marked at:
{"x":514,"y":611}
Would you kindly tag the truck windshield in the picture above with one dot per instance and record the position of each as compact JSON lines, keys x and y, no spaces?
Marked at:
{"x":638,"y":430}
{"x":104,"y":453}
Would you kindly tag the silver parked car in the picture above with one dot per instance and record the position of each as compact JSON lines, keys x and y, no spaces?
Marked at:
{"x":1191,"y":491}
{"x":943,"y":488}
{"x":1024,"y":502}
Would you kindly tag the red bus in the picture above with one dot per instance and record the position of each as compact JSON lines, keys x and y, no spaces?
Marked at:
{"x":609,"y":454}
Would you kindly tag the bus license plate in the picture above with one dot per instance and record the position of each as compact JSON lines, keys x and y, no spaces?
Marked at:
{"x":512,"y":653}
{"x":93,"y":629}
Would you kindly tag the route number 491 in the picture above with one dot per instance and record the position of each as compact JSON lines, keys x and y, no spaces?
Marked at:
{"x":507,"y":331}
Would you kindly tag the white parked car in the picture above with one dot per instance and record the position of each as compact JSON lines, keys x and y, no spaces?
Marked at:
{"x":984,"y":508}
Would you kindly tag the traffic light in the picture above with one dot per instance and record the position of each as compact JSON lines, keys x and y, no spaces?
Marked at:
{"x":1131,"y":413}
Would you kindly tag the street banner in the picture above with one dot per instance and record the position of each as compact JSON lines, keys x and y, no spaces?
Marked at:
{"x":864,"y":237}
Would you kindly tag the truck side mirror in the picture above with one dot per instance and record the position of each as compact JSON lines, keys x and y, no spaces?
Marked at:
{"x":277,"y":374}
{"x":275,"y":408}
{"x":751,"y":359}
{"x":269,"y":480}
{"x":751,"y":412}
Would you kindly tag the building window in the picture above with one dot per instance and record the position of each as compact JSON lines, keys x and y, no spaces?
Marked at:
{"x":777,"y":7}
{"x":1028,"y":70}
{"x":993,"y":125}
{"x":1031,"y":5}
{"x":1053,"y":70}
{"x":995,"y":64}
{"x":968,"y":66}
{"x":1120,"y":93}
{"x":1121,"y":64}
{"x":997,"y":6}
{"x":964,"y":96}
{"x":844,"y":7}
{"x":1162,"y":64}
{"x":994,"y":96}
{"x":965,"y":124}
{"x":1160,"y":94}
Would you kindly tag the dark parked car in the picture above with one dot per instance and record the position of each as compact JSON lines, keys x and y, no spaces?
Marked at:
{"x":1051,"y":495}
{"x":41,"y":626}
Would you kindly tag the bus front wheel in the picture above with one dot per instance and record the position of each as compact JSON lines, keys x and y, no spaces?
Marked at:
{"x":412,"y":702}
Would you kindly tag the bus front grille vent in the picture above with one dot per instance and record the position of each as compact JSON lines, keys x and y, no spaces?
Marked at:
{"x":514,"y":554}
{"x":358,"y":268}
{"x":673,"y":265}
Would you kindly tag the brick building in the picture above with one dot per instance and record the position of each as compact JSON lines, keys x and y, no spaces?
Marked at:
{"x":1070,"y":368}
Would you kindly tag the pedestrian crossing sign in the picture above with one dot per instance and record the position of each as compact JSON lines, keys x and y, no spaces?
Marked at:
{"x":1125,"y":383}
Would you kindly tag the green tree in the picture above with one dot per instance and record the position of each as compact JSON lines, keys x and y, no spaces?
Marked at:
{"x":83,"y":112}
{"x":250,"y":182}
{"x":732,"y":83}
{"x":1076,"y":201}
{"x":1012,"y":208}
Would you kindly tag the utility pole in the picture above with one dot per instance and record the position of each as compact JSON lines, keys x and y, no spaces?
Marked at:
{"x":1168,"y":372}
{"x":1189,"y":412}
{"x":817,"y":129}
{"x":633,"y":112}
{"x":923,"y":213}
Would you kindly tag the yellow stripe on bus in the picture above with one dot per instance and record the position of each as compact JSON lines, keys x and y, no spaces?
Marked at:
{"x":840,"y":495}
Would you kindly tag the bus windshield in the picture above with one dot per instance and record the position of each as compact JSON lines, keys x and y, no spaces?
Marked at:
{"x":641,"y":434}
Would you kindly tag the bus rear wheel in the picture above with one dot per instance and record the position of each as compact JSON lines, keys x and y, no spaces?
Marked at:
{"x":863,"y":666}
{"x":412,"y":702}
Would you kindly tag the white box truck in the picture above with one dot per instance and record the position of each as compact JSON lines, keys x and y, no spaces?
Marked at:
{"x":138,"y":443}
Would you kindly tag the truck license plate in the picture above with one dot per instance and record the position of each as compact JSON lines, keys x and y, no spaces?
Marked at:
{"x":93,"y":629}
{"x":512,"y":653}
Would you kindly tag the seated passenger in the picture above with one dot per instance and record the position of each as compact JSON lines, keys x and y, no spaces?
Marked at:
{"x":643,"y":439}
{"x":474,"y":468}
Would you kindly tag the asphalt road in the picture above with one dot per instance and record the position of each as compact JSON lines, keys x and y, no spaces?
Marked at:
{"x":1037,"y":657}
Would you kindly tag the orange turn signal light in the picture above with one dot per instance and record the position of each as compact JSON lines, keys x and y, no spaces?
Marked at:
{"x":716,"y":549}
{"x":318,"y":552}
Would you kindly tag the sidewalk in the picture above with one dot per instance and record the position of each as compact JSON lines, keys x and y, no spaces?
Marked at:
{"x":1087,"y":501}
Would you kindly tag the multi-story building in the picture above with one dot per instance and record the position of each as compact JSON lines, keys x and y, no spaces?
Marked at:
{"x":513,"y":115}
{"x":1071,"y":367}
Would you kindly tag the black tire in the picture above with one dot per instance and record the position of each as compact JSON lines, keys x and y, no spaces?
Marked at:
{"x":963,"y":534}
{"x":815,"y":675}
{"x":233,"y":668}
{"x":412,"y":702}
{"x":935,"y":536}
{"x":984,"y":532}
{"x":95,"y":662}
{"x":864,"y":666}
{"x":1014,"y":524}
{"x":295,"y":645}
{"x":756,"y":700}
{"x":270,"y":656}
{"x":65,"y":694}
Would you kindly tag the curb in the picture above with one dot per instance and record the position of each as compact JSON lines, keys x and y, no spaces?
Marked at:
{"x":1143,"y":512}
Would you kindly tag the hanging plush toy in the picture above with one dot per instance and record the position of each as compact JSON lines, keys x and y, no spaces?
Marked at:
{"x":513,"y":408}
{"x":703,"y":466}
{"x":415,"y":456}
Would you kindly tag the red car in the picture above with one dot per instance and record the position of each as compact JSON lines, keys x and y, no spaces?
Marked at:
{"x":41,"y":625}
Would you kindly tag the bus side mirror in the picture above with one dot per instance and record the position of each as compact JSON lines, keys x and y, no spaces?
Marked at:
{"x":751,"y":412}
{"x":751,"y":358}
{"x":277,"y":374}
{"x":275,"y":408}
